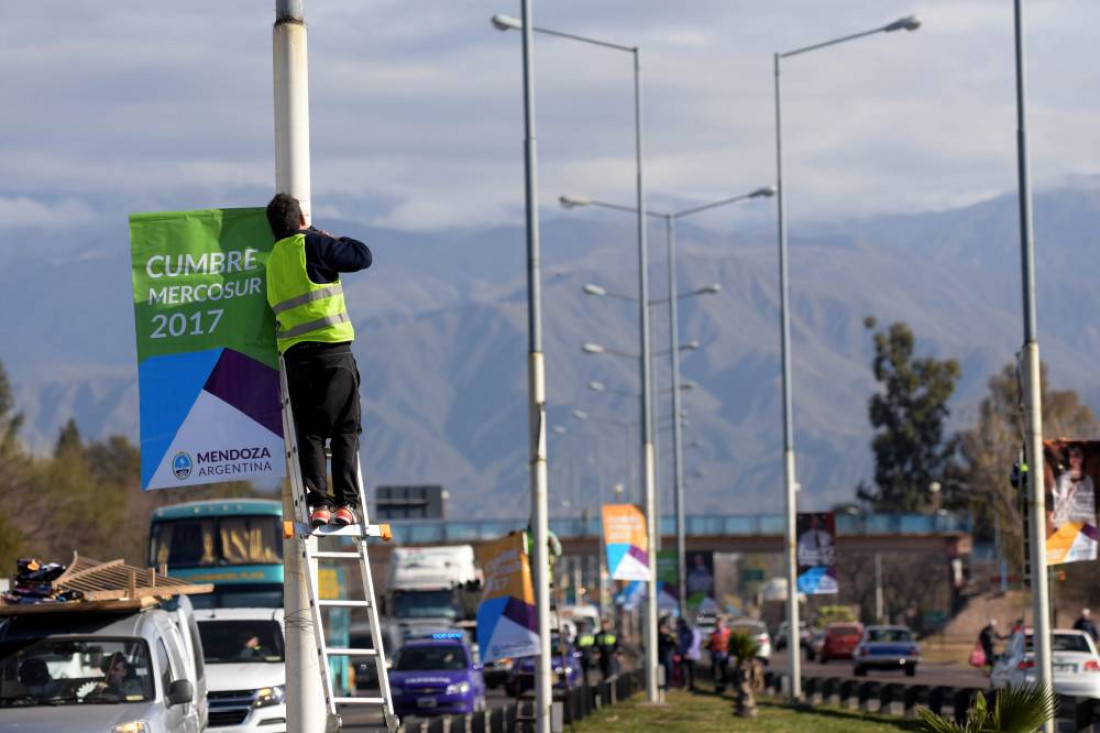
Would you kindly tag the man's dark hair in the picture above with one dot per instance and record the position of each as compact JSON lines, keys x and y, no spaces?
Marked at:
{"x":284,"y":215}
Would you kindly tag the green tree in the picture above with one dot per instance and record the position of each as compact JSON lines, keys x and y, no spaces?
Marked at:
{"x":989,"y":449}
{"x":908,"y":415}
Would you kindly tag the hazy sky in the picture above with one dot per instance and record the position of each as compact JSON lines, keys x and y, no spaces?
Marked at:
{"x":137,"y":105}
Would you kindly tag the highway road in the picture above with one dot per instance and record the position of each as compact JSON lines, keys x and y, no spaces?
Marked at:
{"x":928,"y":673}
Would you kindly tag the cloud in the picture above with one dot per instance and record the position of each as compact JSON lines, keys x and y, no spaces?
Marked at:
{"x":22,"y":211}
{"x":416,"y":106}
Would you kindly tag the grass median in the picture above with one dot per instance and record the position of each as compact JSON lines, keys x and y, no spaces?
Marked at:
{"x":706,"y":712}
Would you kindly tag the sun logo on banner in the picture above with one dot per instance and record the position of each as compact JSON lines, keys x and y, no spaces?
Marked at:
{"x":181,"y":465}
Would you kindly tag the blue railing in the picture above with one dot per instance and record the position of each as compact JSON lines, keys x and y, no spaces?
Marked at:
{"x":735,"y":525}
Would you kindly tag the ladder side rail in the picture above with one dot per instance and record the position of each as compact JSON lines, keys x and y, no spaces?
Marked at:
{"x":372,"y":613}
{"x":319,"y":636}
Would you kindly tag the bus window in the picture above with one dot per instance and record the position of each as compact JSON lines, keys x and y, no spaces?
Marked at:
{"x":186,"y":543}
{"x":250,"y":540}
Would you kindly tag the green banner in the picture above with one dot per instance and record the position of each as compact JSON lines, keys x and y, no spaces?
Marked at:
{"x":207,"y":361}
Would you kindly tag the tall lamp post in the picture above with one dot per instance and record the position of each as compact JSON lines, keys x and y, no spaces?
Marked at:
{"x":908,"y":23}
{"x":305,"y":708}
{"x":1033,"y":412}
{"x":505,"y":23}
{"x":536,"y":384}
{"x":670,"y":218}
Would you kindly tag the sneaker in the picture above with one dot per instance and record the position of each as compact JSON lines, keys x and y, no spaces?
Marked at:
{"x":345,"y":515}
{"x":320,"y":516}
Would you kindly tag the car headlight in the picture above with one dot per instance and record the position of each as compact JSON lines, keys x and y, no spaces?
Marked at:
{"x":134,"y":726}
{"x":266,"y":696}
{"x":458,"y":688}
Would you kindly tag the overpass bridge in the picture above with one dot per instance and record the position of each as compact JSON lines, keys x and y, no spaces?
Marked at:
{"x":946,"y":535}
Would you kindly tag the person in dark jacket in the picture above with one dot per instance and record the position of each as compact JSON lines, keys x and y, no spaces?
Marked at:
{"x":314,"y":334}
{"x":1086,"y":624}
{"x":689,"y":647}
{"x":986,"y":638}
{"x":666,"y":649}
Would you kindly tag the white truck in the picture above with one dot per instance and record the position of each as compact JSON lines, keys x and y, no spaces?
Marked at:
{"x":432,"y":587}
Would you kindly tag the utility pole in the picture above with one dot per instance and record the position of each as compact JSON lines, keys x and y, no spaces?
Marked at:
{"x":1032,"y":387}
{"x":878,"y":588}
{"x":304,"y":696}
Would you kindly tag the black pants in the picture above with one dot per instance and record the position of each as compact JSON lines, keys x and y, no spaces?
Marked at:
{"x":688,"y":666}
{"x":324,"y":394}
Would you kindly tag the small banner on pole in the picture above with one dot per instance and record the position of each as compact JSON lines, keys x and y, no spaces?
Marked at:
{"x":507,"y":621}
{"x":626,"y":539}
{"x":817,"y":553}
{"x":700,"y":581}
{"x":208,"y":369}
{"x":1072,"y":469}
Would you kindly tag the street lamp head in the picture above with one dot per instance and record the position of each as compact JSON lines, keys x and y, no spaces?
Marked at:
{"x":690,"y":346}
{"x":580,"y":414}
{"x":590,"y":348}
{"x":506,"y":23}
{"x":765,"y":192}
{"x":908,"y":23}
{"x":570,"y":202}
{"x":710,"y":289}
{"x":591,"y":289}
{"x":597,"y":386}
{"x":687,"y":386}
{"x":559,"y":430}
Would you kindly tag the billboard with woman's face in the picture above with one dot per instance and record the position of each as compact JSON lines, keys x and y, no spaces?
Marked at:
{"x":1071,"y":471}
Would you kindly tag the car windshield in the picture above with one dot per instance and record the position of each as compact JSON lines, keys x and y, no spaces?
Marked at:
{"x":426,"y":658}
{"x":874,"y":635}
{"x":74,"y":671}
{"x":253,"y":641}
{"x":424,"y":604}
{"x":1065,"y":643}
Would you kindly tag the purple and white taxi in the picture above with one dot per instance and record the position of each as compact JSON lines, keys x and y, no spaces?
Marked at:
{"x":437,"y":675}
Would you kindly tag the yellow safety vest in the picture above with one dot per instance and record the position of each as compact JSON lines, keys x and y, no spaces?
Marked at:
{"x":304,"y":310}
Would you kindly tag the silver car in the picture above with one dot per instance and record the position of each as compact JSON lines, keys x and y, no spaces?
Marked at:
{"x":75,"y":671}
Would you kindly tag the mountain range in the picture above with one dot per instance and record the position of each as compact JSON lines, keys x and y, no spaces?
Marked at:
{"x":442,"y":346}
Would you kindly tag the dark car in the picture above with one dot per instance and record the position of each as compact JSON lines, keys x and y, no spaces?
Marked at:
{"x":437,"y":676}
{"x":841,"y":639}
{"x":565,"y":665}
{"x":886,"y":647}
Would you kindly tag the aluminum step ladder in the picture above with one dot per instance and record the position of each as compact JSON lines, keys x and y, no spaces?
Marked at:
{"x":360,"y":534}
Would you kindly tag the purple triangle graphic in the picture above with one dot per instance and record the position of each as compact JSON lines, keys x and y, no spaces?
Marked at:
{"x":639,"y":554}
{"x":521,"y":613}
{"x":249,"y":386}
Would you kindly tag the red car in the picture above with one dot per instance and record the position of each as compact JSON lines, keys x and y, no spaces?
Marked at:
{"x":841,"y":640}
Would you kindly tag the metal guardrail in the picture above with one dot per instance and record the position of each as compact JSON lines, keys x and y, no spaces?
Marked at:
{"x":737,"y":525}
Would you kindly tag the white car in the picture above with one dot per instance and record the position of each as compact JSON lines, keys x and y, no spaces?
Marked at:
{"x":1074,"y":663}
{"x":757,"y":630}
{"x":246,"y":677}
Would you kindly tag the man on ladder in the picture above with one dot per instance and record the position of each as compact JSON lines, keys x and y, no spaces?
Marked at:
{"x":314,"y":335}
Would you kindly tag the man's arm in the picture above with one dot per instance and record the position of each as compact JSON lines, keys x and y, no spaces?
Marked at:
{"x":338,"y":254}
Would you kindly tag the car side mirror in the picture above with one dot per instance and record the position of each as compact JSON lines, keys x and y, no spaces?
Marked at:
{"x":179,"y":692}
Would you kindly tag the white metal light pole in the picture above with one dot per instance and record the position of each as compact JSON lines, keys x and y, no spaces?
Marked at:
{"x":1033,"y":411}
{"x":570,"y":202}
{"x":909,"y":23}
{"x":304,"y":696}
{"x":524,"y":24}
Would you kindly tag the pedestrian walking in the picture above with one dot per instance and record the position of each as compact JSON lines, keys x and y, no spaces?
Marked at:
{"x":1086,"y":624}
{"x":690,"y":642}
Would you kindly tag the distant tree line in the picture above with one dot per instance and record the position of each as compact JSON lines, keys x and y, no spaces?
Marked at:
{"x":85,"y":497}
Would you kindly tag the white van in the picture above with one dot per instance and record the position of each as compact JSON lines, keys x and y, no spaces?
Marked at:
{"x":244,"y":652}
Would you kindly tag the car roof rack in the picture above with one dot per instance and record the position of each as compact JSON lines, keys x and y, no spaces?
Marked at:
{"x":110,"y":586}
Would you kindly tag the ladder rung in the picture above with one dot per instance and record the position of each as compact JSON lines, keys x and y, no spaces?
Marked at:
{"x":359,"y":700}
{"x":339,"y":651}
{"x":352,"y":530}
{"x":327,"y":555}
{"x":341,"y":603}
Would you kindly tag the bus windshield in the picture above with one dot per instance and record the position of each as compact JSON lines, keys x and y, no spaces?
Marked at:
{"x":202,"y":542}
{"x":424,"y":604}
